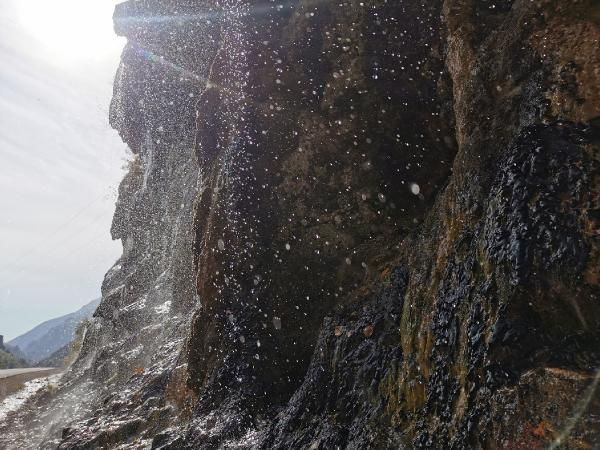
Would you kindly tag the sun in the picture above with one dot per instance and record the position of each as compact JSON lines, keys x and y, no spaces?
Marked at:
{"x":71,"y":29}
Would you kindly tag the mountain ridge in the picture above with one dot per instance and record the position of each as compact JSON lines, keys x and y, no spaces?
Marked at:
{"x":51,"y":335}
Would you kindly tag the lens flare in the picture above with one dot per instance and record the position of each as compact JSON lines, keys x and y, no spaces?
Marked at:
{"x":71,"y":29}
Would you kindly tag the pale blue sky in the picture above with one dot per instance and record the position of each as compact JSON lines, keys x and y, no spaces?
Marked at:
{"x":60,"y":162}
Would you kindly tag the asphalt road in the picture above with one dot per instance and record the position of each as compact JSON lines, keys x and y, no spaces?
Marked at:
{"x":12,"y":372}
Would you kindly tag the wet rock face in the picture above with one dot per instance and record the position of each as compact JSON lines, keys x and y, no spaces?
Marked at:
{"x":307,"y":190}
{"x":341,"y":401}
{"x":512,"y":300}
{"x":534,"y":214}
{"x":350,"y":225}
{"x":500,"y":289}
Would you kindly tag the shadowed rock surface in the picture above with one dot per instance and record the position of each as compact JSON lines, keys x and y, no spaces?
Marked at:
{"x":348,"y":225}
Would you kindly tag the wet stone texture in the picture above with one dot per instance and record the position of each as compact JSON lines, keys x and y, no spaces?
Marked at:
{"x":342,"y":400}
{"x":511,"y":298}
{"x":355,"y":224}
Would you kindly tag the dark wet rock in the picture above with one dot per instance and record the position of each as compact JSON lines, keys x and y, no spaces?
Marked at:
{"x":533,"y":213}
{"x":340,"y":403}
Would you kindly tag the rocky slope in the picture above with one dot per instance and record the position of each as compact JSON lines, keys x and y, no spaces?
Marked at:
{"x":348,"y":225}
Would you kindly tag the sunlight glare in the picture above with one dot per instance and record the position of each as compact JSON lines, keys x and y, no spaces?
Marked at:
{"x":71,"y":29}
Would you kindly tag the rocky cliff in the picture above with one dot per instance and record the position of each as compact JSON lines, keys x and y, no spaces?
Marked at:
{"x":348,"y":225}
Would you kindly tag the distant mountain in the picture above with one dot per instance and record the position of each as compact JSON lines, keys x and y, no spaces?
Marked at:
{"x":56,"y":359}
{"x":50,"y":336}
